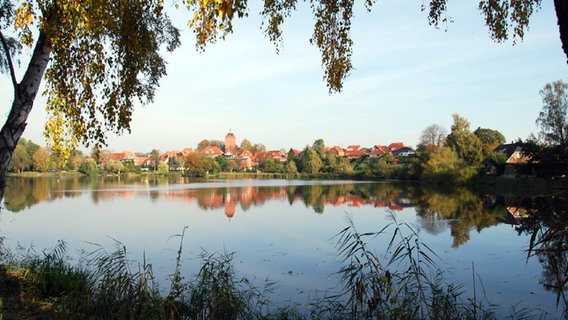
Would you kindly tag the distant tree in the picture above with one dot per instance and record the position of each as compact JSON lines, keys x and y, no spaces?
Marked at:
{"x":291,"y":167}
{"x":489,"y":136}
{"x":213,"y":143}
{"x":195,"y":161}
{"x":319,"y":147}
{"x":155,"y":158}
{"x":21,"y":160}
{"x":271,"y":166}
{"x":89,"y":167}
{"x":464,"y":143}
{"x":258,"y":147}
{"x":210,"y":165}
{"x":443,"y":166}
{"x":31,"y":148}
{"x":41,"y":160}
{"x":75,"y":160}
{"x":553,"y":119}
{"x":446,"y":167}
{"x":490,"y":139}
{"x":113,"y":166}
{"x":163,"y":168}
{"x":232,"y":165}
{"x":381,"y":168}
{"x":223,"y":163}
{"x":194,"y":164}
{"x":343,"y":166}
{"x":246,"y":145}
{"x":202,"y":144}
{"x":433,"y":137}
{"x":311,"y":162}
{"x":100,"y":156}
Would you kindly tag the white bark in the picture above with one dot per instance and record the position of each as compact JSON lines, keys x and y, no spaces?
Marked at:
{"x":25,"y":93}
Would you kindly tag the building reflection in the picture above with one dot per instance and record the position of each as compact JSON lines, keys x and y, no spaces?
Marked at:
{"x":460,"y":210}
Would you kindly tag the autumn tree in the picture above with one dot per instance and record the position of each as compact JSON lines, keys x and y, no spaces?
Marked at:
{"x":464,"y":143}
{"x":155,"y":157}
{"x":89,"y":167}
{"x":114,"y":166}
{"x":41,"y":160}
{"x":99,"y":58}
{"x":213,"y":143}
{"x":194,"y":160}
{"x":21,"y":159}
{"x":246,"y":145}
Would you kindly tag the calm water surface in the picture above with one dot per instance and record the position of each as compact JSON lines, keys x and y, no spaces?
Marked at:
{"x":282,"y":230}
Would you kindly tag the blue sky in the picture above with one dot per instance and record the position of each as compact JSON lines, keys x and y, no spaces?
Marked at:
{"x":408,"y":75}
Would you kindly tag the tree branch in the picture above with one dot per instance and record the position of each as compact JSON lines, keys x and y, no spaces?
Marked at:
{"x":9,"y":59}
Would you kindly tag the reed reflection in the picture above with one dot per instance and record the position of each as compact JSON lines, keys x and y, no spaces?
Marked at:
{"x":547,"y":224}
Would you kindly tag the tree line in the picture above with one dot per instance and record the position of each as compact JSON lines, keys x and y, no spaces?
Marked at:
{"x":457,"y":157}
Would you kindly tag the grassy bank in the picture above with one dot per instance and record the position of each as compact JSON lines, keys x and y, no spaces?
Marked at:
{"x":406,"y":283}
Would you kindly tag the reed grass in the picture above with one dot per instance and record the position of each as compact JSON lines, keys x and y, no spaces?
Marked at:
{"x":402,"y":283}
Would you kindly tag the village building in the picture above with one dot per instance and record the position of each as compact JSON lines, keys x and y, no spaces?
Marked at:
{"x":515,"y":158}
{"x":212,"y":151}
{"x":404,"y":152}
{"x":231,"y":149}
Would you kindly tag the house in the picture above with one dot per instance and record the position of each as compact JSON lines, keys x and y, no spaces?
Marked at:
{"x":354,"y":151}
{"x":404,"y":152}
{"x":276,"y":155}
{"x":212,"y":151}
{"x":514,"y":155}
{"x":336,"y":151}
{"x":124,"y":156}
{"x":142,"y":161}
{"x":395,"y":146}
{"x":379,"y":151}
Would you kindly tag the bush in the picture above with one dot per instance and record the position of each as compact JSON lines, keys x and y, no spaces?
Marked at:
{"x":89,"y":167}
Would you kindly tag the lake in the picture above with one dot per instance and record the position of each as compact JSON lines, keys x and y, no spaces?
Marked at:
{"x":284,"y":230}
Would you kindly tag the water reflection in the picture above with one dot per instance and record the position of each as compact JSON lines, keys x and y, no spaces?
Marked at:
{"x":547,"y":224}
{"x":461,"y":212}
{"x":459,"y":209}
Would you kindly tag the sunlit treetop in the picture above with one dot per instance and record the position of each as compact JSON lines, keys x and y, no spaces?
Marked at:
{"x":105,"y":57}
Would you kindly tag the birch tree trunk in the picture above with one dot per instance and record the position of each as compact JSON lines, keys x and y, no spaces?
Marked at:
{"x":25,"y":93}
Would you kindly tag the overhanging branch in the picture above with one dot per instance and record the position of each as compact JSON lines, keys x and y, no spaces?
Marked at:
{"x":9,"y":60}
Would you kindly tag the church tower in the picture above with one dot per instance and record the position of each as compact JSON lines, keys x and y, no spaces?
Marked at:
{"x":231,"y":148}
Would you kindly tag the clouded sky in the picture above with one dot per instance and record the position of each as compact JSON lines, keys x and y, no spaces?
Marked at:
{"x":408,"y":75}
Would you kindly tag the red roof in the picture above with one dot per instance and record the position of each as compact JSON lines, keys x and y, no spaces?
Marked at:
{"x":379,"y":150}
{"x":395,"y":146}
{"x":212,"y":150}
{"x":274,"y":154}
{"x":118,"y":156}
{"x":353,"y":148}
{"x":337,"y":150}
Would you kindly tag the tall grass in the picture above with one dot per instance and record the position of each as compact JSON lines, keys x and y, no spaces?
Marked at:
{"x":402,"y":283}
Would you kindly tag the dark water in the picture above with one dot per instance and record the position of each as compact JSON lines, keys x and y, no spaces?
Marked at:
{"x":284,"y":230}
